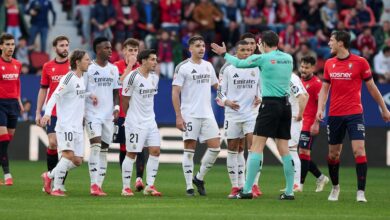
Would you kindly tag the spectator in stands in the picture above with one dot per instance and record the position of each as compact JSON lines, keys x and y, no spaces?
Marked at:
{"x":116,"y":52}
{"x":365,"y":14}
{"x":84,"y":10}
{"x":165,"y":55}
{"x":382,"y":65}
{"x":319,"y":43}
{"x":148,"y":23}
{"x":329,"y":15}
{"x":127,"y":18}
{"x":26,"y":114}
{"x":352,"y":21}
{"x":170,"y":14}
{"x":285,"y":12}
{"x":366,"y":42}
{"x":304,"y":51}
{"x":102,"y":19}
{"x":232,"y":20}
{"x":386,"y":11}
{"x":303,"y":32}
{"x":269,"y":12}
{"x":376,"y":7}
{"x":311,"y":13}
{"x":187,"y":8}
{"x":206,"y":14}
{"x":25,"y":69}
{"x":12,"y":19}
{"x":39,"y":11}
{"x":177,"y":48}
{"x":22,"y":51}
{"x":289,"y":40}
{"x":382,"y":33}
{"x":253,"y":18}
{"x":345,"y":4}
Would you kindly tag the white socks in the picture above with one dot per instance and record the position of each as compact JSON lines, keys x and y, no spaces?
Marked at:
{"x":241,"y":169}
{"x":151,"y":169}
{"x":127,"y":170}
{"x":93,"y":162}
{"x":188,"y":166}
{"x":63,"y":166}
{"x":208,"y":161}
{"x":297,"y":165}
{"x":102,"y":166}
{"x":232,"y":167}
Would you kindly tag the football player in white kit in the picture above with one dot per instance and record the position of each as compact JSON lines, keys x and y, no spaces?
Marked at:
{"x":102,"y":81}
{"x":239,"y":92}
{"x":191,"y":97}
{"x":139,"y":89}
{"x":69,"y":97}
{"x":298,"y":99}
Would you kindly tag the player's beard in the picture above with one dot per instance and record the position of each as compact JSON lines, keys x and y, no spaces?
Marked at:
{"x":63,"y":54}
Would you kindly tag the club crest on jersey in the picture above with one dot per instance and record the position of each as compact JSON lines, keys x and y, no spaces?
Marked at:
{"x":350,"y":65}
{"x":112,"y":72}
{"x":252,"y":73}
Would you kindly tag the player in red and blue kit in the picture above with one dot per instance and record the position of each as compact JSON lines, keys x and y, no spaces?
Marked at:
{"x":310,"y":126}
{"x":343,"y":77}
{"x":52,"y":72}
{"x":10,"y":104}
{"x":130,"y":49}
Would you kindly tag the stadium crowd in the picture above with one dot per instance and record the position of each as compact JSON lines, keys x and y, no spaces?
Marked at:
{"x":304,"y":26}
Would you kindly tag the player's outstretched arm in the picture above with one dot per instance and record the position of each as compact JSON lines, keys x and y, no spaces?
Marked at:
{"x":374,"y":92}
{"x":323,"y":97}
{"x":250,"y":62}
{"x":180,"y":123}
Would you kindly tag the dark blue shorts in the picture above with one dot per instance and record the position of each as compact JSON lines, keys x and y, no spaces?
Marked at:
{"x":119,"y":132}
{"x":50,"y":128}
{"x":9,"y":112}
{"x":338,"y":125}
{"x":306,"y":140}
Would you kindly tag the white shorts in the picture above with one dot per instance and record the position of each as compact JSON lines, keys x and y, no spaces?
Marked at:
{"x":71,"y":141}
{"x":137,"y":138}
{"x":100,"y":128}
{"x":201,"y":128}
{"x":296,"y":127}
{"x":234,"y":130}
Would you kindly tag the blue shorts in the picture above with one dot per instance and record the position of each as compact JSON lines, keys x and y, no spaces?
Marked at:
{"x":119,"y":133}
{"x":338,"y":125}
{"x":9,"y":112}
{"x":306,"y":140}
{"x":50,"y":128}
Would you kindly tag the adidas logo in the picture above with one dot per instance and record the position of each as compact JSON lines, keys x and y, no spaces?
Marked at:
{"x":77,"y":86}
{"x":235,"y":75}
{"x":127,"y":177}
{"x":193,"y":71}
{"x":189,"y":171}
{"x":141,"y":85}
{"x":93,"y":170}
{"x":96,"y":73}
{"x":232,"y":172}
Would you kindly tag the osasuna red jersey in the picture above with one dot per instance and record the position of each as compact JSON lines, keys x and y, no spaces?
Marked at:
{"x":52,"y":72}
{"x":10,"y":79}
{"x":313,"y":87}
{"x":121,"y":64}
{"x":345,"y":77}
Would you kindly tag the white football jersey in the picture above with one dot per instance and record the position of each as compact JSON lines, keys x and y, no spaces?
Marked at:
{"x":101,"y":81}
{"x":242,"y":86}
{"x":141,"y":106}
{"x":296,"y":88}
{"x":69,"y":97}
{"x":195,"y":81}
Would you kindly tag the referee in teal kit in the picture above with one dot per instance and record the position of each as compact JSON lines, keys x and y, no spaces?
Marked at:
{"x":274,"y":118}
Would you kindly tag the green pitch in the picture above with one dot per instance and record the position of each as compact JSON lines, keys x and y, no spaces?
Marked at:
{"x":25,"y":200}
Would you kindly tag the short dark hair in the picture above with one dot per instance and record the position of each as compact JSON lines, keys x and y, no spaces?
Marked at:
{"x":58,"y":39}
{"x":386,"y":49}
{"x":98,"y":41}
{"x":270,"y":38}
{"x":309,"y":59}
{"x":143,"y":55}
{"x":6,"y":36}
{"x":344,"y":37}
{"x":248,"y":35}
{"x":195,"y":38}
{"x":130,"y":42}
{"x":76,"y":55}
{"x":242,"y":42}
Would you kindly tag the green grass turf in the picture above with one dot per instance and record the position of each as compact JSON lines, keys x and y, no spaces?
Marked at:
{"x":25,"y":200}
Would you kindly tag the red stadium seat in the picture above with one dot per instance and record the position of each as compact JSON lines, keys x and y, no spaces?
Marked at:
{"x":38,"y":59}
